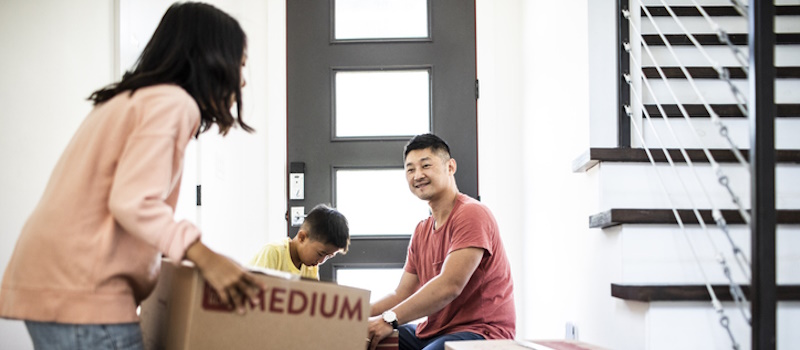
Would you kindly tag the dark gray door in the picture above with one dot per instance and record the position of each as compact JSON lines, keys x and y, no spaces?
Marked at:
{"x":318,"y":63}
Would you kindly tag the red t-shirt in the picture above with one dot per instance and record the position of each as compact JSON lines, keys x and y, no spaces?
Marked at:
{"x":486,"y":305}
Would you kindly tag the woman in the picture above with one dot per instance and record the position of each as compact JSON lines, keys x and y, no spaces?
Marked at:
{"x":90,"y":252}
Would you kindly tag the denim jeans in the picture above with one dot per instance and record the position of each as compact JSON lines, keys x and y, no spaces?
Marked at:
{"x":63,"y":336}
{"x":408,"y":340}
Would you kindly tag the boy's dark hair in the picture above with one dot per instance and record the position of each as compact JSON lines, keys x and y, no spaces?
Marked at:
{"x":199,"y":48}
{"x":425,"y":141}
{"x":328,"y":226}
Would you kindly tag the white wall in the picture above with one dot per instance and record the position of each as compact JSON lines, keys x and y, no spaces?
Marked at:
{"x":55,"y":53}
{"x":500,"y":134}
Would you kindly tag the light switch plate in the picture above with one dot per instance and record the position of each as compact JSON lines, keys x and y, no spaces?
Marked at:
{"x":296,"y":186}
{"x":298,"y":215}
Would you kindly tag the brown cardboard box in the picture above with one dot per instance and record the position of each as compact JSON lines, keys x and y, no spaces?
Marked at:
{"x":184,"y":313}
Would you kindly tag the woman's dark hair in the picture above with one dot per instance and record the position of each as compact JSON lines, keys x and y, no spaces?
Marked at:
{"x":199,"y":48}
{"x":425,"y":141}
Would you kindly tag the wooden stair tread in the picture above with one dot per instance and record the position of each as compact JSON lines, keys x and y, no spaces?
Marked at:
{"x":711,"y":73}
{"x":784,"y":110}
{"x":614,"y":217}
{"x":714,"y":11}
{"x":649,"y":293}
{"x":637,"y":155}
{"x":713,"y":40}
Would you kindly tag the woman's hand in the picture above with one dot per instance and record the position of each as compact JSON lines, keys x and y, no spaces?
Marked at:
{"x":232,"y":282}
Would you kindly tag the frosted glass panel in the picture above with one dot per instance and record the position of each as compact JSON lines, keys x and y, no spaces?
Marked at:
{"x":378,"y":202}
{"x":382,"y":103}
{"x":380,"y":19}
{"x":379,"y":282}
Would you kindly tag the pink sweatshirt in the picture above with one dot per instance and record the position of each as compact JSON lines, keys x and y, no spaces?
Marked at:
{"x":90,"y":251}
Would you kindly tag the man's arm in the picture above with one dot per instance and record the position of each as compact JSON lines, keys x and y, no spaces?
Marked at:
{"x":433,"y":296}
{"x":409,"y":283}
{"x":441,"y":290}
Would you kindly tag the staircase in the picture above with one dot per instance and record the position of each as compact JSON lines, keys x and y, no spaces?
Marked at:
{"x":666,"y":267}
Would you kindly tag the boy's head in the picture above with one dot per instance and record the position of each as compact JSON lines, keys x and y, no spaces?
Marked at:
{"x":323,"y":234}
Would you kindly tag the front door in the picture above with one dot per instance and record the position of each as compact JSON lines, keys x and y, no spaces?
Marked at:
{"x":363,"y":78}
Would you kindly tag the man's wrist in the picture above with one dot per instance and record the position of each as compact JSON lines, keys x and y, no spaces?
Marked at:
{"x":391,"y":318}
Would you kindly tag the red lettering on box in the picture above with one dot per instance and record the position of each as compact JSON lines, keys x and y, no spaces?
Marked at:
{"x":212,"y":301}
{"x":313,"y":303}
{"x":351,"y":312}
{"x":293,"y":307}
{"x":333,"y":309}
{"x":291,"y":302}
{"x":276,"y":299}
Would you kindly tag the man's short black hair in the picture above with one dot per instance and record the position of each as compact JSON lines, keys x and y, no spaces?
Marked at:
{"x":328,"y":226}
{"x":426,"y":141}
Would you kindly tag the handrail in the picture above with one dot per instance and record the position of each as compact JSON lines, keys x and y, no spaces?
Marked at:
{"x":761,"y":112}
{"x":762,"y":168}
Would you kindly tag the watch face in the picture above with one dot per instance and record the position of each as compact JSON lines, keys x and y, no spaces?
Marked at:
{"x":389,"y":316}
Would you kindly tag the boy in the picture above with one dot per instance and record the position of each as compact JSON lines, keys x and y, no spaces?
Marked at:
{"x":323,"y":234}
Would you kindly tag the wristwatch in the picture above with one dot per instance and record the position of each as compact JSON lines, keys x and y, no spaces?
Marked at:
{"x":390,"y":317}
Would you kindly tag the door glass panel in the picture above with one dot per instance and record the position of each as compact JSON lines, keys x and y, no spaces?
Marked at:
{"x":378,"y":202}
{"x":380,"y":19}
{"x":382,"y":103}
{"x":379,"y":281}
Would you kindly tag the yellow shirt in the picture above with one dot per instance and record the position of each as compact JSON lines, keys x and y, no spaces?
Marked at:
{"x":276,"y":256}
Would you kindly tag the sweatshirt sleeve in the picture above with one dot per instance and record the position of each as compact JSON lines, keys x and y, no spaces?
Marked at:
{"x":149,"y":170}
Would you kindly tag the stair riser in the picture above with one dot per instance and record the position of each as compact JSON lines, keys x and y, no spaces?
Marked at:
{"x":785,"y":56}
{"x":707,"y":134}
{"x":695,"y":325}
{"x":637,"y":185}
{"x":712,"y":90}
{"x":661,"y":254}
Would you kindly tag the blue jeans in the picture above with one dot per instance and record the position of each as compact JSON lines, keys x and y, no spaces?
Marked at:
{"x":63,"y":336}
{"x":408,"y":340}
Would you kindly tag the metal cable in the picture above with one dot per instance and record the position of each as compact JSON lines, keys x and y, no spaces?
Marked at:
{"x":724,"y":321}
{"x":736,"y":291}
{"x":720,"y":174}
{"x":742,"y":261}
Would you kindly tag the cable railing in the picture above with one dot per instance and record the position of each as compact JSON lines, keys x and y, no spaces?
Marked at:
{"x":633,"y":112}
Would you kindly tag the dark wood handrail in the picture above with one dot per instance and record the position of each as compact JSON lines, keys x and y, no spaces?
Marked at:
{"x":784,"y":110}
{"x":620,"y":216}
{"x":595,"y":155}
{"x":668,"y":292}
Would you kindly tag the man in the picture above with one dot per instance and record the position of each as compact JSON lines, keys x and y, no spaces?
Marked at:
{"x":456,"y":272}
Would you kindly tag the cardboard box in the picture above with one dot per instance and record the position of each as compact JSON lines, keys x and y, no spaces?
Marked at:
{"x":184,"y":312}
{"x":519,"y":345}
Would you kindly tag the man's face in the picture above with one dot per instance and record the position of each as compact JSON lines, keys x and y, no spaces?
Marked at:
{"x":428,"y":175}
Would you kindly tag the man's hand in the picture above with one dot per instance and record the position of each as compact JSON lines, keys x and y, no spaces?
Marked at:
{"x":232,"y":282}
{"x":378,"y":330}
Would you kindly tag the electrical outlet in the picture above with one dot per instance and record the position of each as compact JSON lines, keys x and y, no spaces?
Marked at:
{"x":298,"y":215}
{"x":571,"y":331}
